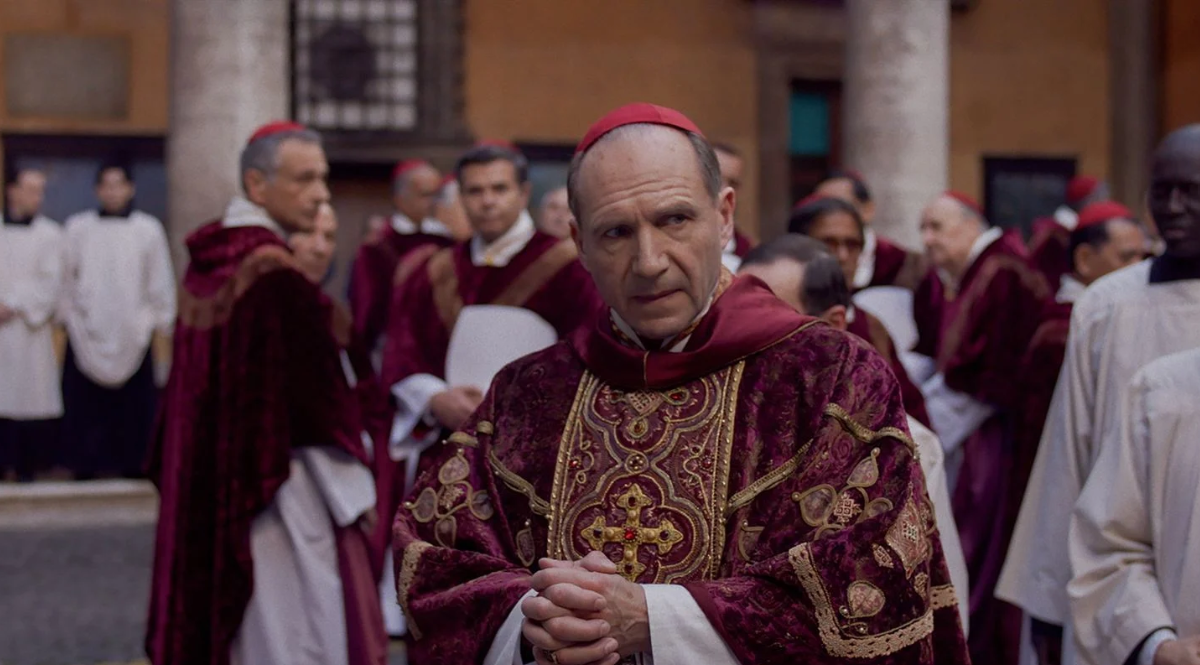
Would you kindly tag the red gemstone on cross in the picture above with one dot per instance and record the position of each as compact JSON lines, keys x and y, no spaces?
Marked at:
{"x":630,"y":534}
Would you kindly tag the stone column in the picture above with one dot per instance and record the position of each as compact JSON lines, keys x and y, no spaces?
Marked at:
{"x":1134,"y":94}
{"x":897,"y":106}
{"x":229,"y":74}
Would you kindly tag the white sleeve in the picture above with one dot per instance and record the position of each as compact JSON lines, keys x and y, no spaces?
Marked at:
{"x":506,"y":646}
{"x":160,"y":281}
{"x":680,"y":634}
{"x":347,"y":486}
{"x":413,"y":395}
{"x":955,"y":415}
{"x":36,"y":297}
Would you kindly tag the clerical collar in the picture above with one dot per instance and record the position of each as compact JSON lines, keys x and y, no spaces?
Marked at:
{"x":1066,"y":218}
{"x":242,"y":213}
{"x":10,"y":220}
{"x":1168,"y":268}
{"x":500,"y":251}
{"x":1069,"y":290}
{"x":865,"y":271}
{"x":404,"y":226}
{"x":984,"y":241}
{"x":123,"y":213}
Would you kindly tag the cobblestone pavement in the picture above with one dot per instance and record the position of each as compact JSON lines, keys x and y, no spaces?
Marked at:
{"x":77,"y":596}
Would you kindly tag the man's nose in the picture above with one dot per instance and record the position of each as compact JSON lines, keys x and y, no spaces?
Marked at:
{"x":1175,"y":201}
{"x":649,"y":260}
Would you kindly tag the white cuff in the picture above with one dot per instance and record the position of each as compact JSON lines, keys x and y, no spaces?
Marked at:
{"x":506,"y":646}
{"x":955,"y":415}
{"x":412,"y":403}
{"x":1151,"y":644}
{"x":346,"y":485}
{"x":680,"y":634}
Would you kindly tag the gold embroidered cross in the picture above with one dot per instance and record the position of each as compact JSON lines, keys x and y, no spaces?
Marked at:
{"x":632,"y":534}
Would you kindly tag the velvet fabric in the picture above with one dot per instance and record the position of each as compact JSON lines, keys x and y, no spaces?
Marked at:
{"x":818,"y":543}
{"x":866,"y":326}
{"x":1049,"y":249}
{"x":373,"y":274}
{"x":984,"y":329}
{"x":256,"y":374}
{"x":417,"y":331}
{"x":367,"y":641}
{"x":896,"y":266}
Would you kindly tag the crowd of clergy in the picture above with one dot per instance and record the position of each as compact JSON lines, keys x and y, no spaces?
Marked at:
{"x":622,"y":431}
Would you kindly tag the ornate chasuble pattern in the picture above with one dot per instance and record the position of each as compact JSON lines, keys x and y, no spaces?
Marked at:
{"x":644,"y":477}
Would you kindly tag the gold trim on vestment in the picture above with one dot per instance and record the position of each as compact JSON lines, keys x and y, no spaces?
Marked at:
{"x":943,"y":596}
{"x":463,"y":439}
{"x":838,"y":644}
{"x":538,"y":505}
{"x":537,"y":274}
{"x":408,"y":570}
{"x":774,"y":477}
{"x":866,"y":434}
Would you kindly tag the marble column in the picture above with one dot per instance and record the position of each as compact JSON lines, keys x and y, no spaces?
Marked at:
{"x":229,"y":74}
{"x":896,"y":106}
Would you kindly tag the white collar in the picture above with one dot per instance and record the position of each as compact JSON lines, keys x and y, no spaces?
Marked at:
{"x":1066,"y":218}
{"x":500,"y":251}
{"x":865,"y":272}
{"x":1069,"y":290}
{"x":984,"y":241}
{"x":242,"y":212}
{"x":404,"y":226}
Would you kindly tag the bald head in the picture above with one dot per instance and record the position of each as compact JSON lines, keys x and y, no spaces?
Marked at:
{"x":1174,"y":198}
{"x":948,"y":229}
{"x":415,"y":192}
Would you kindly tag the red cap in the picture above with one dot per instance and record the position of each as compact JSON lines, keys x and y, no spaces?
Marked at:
{"x":632,"y":114}
{"x":408,"y":165}
{"x":1080,"y":187}
{"x":1102,"y":211}
{"x":811,"y":198}
{"x":971,"y":203}
{"x":275,"y":127}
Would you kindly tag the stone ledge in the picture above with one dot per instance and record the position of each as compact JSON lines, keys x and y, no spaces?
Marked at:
{"x":77,"y":504}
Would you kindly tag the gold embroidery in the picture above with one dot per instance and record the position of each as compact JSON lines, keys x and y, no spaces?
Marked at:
{"x":408,"y":570}
{"x":839,"y":645}
{"x":882,"y":557}
{"x":485,"y":427}
{"x":816,"y":504}
{"x":747,"y":539}
{"x":866,"y":473}
{"x":525,"y":546}
{"x":943,"y":596}
{"x":908,"y":537}
{"x":463,"y":439}
{"x":863,"y":600}
{"x":516,"y":483}
{"x":675,"y":447}
{"x":921,"y":584}
{"x":773,"y":478}
{"x":632,"y":534}
{"x":454,"y":494}
{"x":864,"y":433}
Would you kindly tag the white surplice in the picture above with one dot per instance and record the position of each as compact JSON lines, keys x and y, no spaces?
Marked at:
{"x":1121,"y":323}
{"x":1135,"y":536}
{"x":118,"y":289}
{"x":30,"y":283}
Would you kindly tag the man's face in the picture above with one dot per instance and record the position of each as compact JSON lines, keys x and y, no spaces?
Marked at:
{"x":650,"y":233}
{"x":418,"y":198}
{"x":784,"y":277}
{"x":25,"y":196}
{"x":732,"y":169}
{"x":948,"y":233}
{"x":842,"y":235}
{"x":314,"y":249}
{"x":114,"y":190}
{"x":294,"y":194}
{"x":555,"y":215}
{"x":492,"y":197}
{"x":843,"y":188}
{"x":1126,"y":246}
{"x":1175,"y":194}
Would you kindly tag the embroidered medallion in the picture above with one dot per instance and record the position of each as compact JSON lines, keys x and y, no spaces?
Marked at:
{"x":908,"y":537}
{"x":643,"y":476}
{"x":525,"y":545}
{"x":454,"y":494}
{"x":863,"y":600}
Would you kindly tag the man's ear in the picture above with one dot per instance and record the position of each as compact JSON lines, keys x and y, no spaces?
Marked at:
{"x":254,"y":182}
{"x":836,"y":317}
{"x":577,"y":237}
{"x":726,"y":205}
{"x":867,"y":212}
{"x":1082,"y":261}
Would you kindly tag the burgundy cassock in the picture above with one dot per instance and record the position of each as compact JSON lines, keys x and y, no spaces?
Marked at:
{"x":868,"y":327}
{"x":896,"y":266}
{"x":373,"y":274}
{"x":545,"y":277}
{"x":1049,"y":246}
{"x":766,"y":468}
{"x":256,"y":374}
{"x":979,"y":336}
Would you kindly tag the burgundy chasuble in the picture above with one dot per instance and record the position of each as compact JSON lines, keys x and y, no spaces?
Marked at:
{"x":866,"y":326}
{"x":256,"y":374}
{"x":896,"y":266}
{"x":373,"y":273}
{"x":985,"y":330}
{"x":766,"y":468}
{"x":1049,"y":249}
